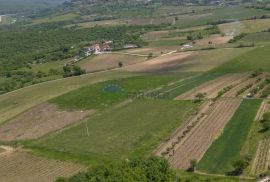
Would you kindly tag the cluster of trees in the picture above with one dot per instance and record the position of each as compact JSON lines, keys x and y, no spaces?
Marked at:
{"x":23,"y":46}
{"x":265,"y":122}
{"x":17,"y":79}
{"x":152,"y":169}
{"x":72,"y":70}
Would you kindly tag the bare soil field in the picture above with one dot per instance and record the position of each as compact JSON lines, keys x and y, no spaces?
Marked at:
{"x":160,"y":63}
{"x":262,"y":157}
{"x":214,"y":39}
{"x":245,"y":82}
{"x":199,"y":138}
{"x":39,"y":121}
{"x":194,"y":119}
{"x":109,"y":61}
{"x":212,"y":87}
{"x":265,"y":107}
{"x":22,"y":166}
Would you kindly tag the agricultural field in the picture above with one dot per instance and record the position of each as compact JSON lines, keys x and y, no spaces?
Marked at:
{"x":246,"y":63}
{"x":246,"y":26}
{"x":214,"y":15}
{"x":134,"y":130}
{"x":212,"y":88}
{"x":39,"y":121}
{"x":16,"y":102}
{"x":185,"y":103}
{"x":259,"y":38}
{"x":109,"y":93}
{"x":197,"y":135}
{"x":110,"y":61}
{"x":24,"y":166}
{"x":262,"y":158}
{"x":227,"y":147}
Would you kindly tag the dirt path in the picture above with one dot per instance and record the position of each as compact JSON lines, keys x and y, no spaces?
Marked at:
{"x":200,"y":137}
{"x":39,"y":121}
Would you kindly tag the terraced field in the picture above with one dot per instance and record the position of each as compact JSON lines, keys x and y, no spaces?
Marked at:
{"x":193,"y":140}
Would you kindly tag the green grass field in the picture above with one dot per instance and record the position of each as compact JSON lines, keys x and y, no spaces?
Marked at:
{"x":117,"y":133}
{"x":180,"y":87}
{"x":18,"y":101}
{"x":257,"y":59}
{"x":95,"y":97}
{"x":246,"y":26}
{"x":257,"y":38}
{"x":227,"y":147}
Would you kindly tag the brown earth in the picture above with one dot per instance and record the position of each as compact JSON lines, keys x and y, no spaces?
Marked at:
{"x":109,"y":61}
{"x":160,"y":63}
{"x":200,"y":137}
{"x":262,"y":157}
{"x":194,"y":118}
{"x":265,"y":107}
{"x":39,"y":121}
{"x":215,"y":39}
{"x":211,"y":88}
{"x":19,"y":166}
{"x":245,"y":82}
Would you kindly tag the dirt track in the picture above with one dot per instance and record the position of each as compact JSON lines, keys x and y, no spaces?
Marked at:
{"x":19,"y":166}
{"x":196,"y":142}
{"x":39,"y":121}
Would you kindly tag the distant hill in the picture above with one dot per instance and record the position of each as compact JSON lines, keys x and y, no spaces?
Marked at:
{"x":26,"y":6}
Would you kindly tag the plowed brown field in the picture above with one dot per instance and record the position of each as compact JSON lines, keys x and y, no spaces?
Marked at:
{"x":200,"y":137}
{"x":39,"y":121}
{"x":212,"y":87}
{"x":19,"y":166}
{"x":159,"y":63}
{"x":265,"y":107}
{"x":262,"y":157}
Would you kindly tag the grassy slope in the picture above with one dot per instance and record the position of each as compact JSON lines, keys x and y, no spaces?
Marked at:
{"x":246,"y":26}
{"x":228,"y":13}
{"x":227,"y":147}
{"x":13,"y":103}
{"x":257,"y":59}
{"x":133,"y":130}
